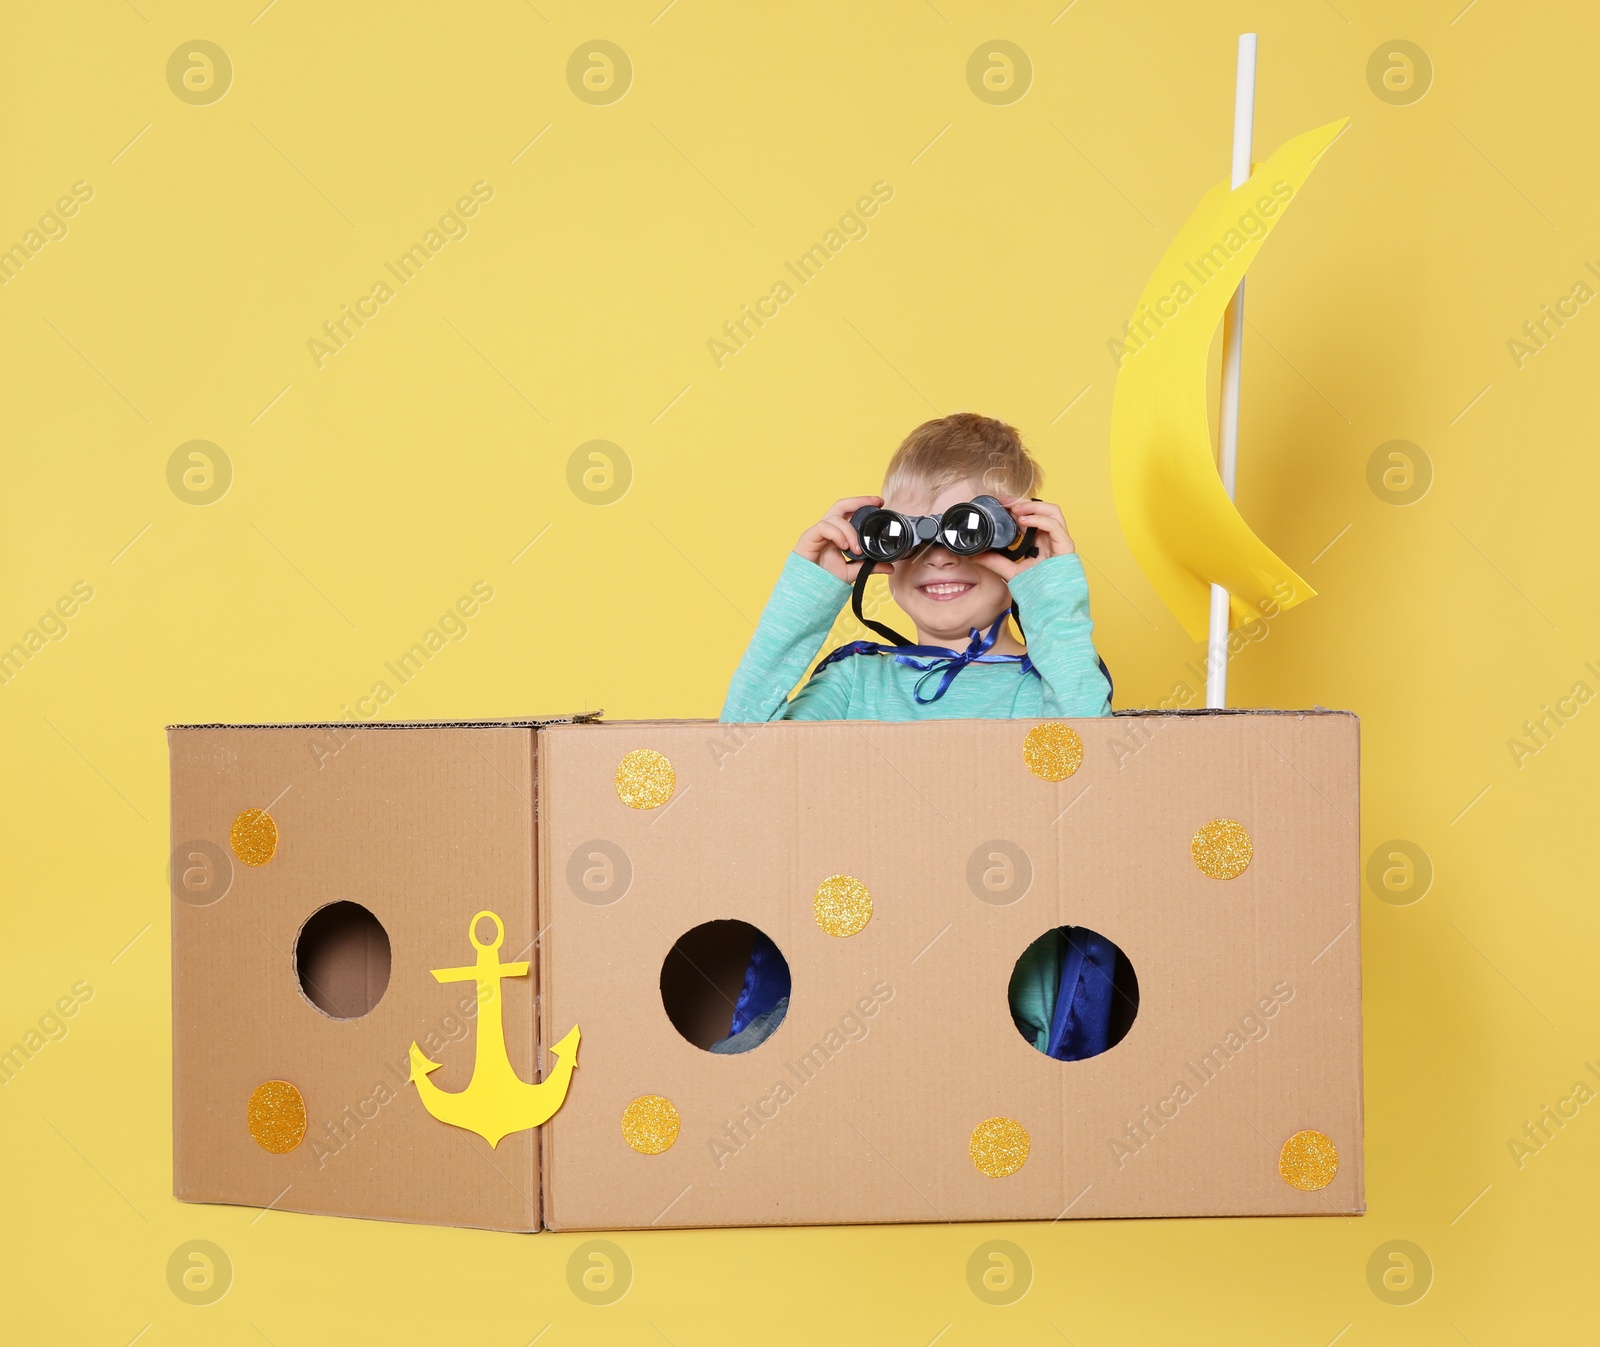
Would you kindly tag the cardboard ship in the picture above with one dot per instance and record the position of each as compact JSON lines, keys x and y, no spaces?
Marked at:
{"x":468,"y":973}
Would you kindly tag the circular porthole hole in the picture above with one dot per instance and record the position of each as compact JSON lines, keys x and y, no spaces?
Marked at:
{"x":342,"y":960}
{"x":1073,"y":994}
{"x":725,"y":986}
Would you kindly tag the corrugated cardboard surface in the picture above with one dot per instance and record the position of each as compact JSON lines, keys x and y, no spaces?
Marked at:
{"x":422,"y":826}
{"x":917,"y":1044}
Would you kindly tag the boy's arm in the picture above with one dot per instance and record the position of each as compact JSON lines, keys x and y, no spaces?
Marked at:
{"x":1054,"y":598}
{"x":826,"y":695}
{"x":793,"y":625}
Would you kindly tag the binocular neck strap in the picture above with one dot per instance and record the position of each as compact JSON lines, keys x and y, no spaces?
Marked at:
{"x":1025,"y":548}
{"x":888,"y":633}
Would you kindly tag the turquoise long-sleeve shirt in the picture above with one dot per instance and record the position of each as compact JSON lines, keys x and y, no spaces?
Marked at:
{"x":1053,"y":597}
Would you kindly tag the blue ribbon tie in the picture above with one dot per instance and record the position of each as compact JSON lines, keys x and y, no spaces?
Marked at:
{"x":936,"y":660}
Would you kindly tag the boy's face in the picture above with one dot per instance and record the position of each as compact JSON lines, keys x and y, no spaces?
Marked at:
{"x":945,"y":595}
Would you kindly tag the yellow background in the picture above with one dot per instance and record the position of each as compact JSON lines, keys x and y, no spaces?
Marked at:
{"x":425,"y":456}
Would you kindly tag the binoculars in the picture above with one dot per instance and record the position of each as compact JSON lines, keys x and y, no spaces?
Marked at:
{"x":981,"y":524}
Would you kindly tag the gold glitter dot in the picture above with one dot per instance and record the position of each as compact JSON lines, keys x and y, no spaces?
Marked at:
{"x":1052,"y":751}
{"x":650,"y":1124}
{"x":1308,"y":1161}
{"x":1222,"y":849}
{"x":277,"y":1116}
{"x":842,"y":905}
{"x":254,"y":837}
{"x":645,"y":779}
{"x":999,"y":1146}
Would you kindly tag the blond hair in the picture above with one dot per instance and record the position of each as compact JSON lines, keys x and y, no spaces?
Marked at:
{"x":962,"y":447}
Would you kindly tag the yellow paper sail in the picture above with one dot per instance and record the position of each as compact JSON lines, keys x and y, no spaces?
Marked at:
{"x":1175,"y":513}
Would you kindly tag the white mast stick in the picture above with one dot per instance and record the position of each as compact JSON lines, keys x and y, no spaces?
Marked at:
{"x":1244,"y":116}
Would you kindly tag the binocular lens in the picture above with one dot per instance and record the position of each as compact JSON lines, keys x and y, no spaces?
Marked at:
{"x":884,"y":535}
{"x":966,"y":530}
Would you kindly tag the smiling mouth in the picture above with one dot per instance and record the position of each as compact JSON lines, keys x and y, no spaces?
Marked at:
{"x":942,"y":591}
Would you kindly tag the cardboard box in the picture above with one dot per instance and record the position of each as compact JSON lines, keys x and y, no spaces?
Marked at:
{"x":898,"y":1040}
{"x":422,"y":826}
{"x":898,"y":1045}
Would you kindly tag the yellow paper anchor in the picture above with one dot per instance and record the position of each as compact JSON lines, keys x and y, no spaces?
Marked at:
{"x":496,"y":1102}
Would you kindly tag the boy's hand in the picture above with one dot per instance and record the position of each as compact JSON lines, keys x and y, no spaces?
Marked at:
{"x":823,"y":542}
{"x":1052,"y":538}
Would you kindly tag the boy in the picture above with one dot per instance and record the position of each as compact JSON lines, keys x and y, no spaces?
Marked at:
{"x":969,"y":665}
{"x":956,"y":603}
